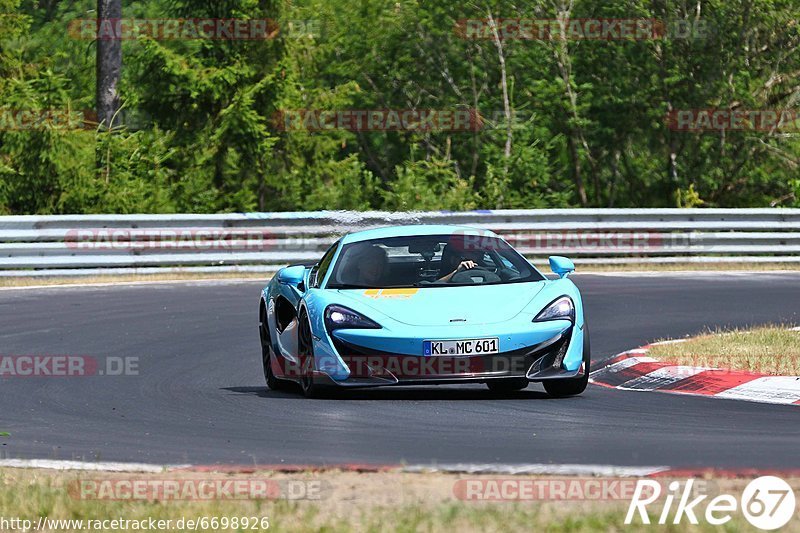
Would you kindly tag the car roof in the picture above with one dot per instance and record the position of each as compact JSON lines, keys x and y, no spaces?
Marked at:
{"x":412,"y":229}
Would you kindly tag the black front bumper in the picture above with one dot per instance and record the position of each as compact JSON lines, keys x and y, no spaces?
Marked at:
{"x":369,"y":368}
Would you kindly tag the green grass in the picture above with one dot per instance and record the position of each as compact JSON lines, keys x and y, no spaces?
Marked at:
{"x":768,"y":350}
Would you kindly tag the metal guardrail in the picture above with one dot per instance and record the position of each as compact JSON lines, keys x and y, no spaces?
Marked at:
{"x":91,"y":244}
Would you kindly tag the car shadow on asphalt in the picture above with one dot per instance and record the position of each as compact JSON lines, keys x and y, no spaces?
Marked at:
{"x":443,"y":393}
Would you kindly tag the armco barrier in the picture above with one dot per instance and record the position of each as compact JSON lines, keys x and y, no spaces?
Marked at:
{"x":92,"y":244}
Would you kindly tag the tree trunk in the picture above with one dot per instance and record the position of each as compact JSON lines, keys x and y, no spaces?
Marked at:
{"x":109,"y":65}
{"x":506,"y":104}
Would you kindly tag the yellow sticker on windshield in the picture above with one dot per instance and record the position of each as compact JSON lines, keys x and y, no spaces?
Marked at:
{"x":390,"y":293}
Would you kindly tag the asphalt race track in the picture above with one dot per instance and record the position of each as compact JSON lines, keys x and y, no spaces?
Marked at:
{"x":199,"y":396}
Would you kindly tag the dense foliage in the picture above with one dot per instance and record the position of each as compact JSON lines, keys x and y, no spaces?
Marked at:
{"x":565,"y":122}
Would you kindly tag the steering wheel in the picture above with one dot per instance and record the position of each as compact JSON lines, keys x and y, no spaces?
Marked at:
{"x":467,"y":276}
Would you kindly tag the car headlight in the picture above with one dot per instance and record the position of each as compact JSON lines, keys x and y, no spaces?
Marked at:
{"x":559,"y":309}
{"x":338,"y":317}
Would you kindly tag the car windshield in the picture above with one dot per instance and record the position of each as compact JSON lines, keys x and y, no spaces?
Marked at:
{"x":430,"y":261}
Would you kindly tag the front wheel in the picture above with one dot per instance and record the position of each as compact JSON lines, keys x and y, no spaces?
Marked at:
{"x":305,"y":350}
{"x":273,"y":383}
{"x":560,"y":388}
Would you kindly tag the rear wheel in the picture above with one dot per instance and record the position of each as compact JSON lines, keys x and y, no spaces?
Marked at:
{"x":305,"y":350}
{"x":507,"y":385}
{"x":572,"y":386}
{"x":266,"y":352}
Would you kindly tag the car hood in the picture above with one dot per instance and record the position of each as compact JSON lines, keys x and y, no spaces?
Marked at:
{"x":433,"y":306}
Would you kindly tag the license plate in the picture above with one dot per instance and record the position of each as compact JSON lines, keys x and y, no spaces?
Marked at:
{"x":462,"y":347}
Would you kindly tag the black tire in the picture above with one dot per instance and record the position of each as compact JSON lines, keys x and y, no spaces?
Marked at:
{"x":273,"y":383}
{"x":507,"y":384}
{"x":560,"y":388}
{"x":305,"y":351}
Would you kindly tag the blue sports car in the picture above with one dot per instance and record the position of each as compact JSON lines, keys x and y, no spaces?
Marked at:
{"x":426,"y":304}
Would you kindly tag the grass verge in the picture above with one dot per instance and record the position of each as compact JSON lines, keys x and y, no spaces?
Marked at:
{"x":683,"y":267}
{"x":771,"y":350}
{"x":112,"y":279}
{"x":390,"y":501}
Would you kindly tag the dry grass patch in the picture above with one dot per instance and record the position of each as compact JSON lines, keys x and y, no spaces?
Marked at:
{"x":390,"y":501}
{"x":771,"y":350}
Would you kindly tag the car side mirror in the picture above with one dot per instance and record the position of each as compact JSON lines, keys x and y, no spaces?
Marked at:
{"x":294,"y":276}
{"x":562,"y":266}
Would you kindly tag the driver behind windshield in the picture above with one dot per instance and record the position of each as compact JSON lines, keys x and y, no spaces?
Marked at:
{"x":454,"y":262}
{"x":370,"y":266}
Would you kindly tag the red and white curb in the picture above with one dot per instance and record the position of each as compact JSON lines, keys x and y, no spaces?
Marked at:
{"x":634,"y":370}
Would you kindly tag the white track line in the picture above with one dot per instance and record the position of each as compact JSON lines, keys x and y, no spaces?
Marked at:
{"x":449,"y":468}
{"x":53,"y":464}
{"x":540,"y":469}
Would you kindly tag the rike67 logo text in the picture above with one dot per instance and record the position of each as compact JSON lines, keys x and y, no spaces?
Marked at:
{"x":767,"y":502}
